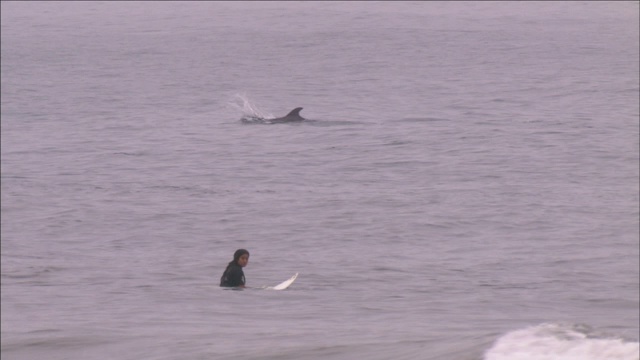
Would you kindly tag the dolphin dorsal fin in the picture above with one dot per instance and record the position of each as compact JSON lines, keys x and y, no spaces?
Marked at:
{"x":295,"y":112}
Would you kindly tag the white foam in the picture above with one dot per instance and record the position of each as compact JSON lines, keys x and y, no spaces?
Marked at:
{"x":560,"y":342}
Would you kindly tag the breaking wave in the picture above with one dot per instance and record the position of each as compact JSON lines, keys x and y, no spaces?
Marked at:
{"x":561,"y":342}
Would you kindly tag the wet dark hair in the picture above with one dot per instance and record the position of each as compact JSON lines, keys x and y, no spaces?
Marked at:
{"x":236,"y":257}
{"x":237,"y":254}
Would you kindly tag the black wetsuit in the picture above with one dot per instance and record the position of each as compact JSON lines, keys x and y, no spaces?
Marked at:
{"x":233,"y":276}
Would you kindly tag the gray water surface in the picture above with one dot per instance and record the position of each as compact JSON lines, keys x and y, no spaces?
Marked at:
{"x":470,"y":170}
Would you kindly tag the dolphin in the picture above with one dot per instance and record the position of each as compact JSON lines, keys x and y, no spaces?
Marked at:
{"x":292,"y":116}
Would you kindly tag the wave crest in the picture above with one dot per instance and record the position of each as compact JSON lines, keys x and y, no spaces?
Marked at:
{"x":560,"y":342}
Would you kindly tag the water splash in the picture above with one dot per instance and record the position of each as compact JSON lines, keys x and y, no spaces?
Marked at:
{"x":250,"y":112}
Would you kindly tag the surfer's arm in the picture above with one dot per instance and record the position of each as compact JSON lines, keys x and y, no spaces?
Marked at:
{"x":236,"y":278}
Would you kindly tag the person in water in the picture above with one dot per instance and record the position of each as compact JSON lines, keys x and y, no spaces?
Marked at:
{"x":233,"y":275}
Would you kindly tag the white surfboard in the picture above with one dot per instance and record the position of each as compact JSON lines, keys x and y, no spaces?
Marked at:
{"x":285,"y":284}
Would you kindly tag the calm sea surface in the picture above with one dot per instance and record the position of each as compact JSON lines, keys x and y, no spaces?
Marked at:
{"x":466,"y":187}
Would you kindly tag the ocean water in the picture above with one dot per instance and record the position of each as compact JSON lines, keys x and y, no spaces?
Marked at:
{"x":466,"y":186}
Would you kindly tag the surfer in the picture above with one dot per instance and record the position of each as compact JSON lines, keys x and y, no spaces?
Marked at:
{"x":233,"y":275}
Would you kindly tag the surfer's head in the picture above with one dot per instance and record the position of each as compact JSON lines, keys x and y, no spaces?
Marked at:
{"x":241,"y":257}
